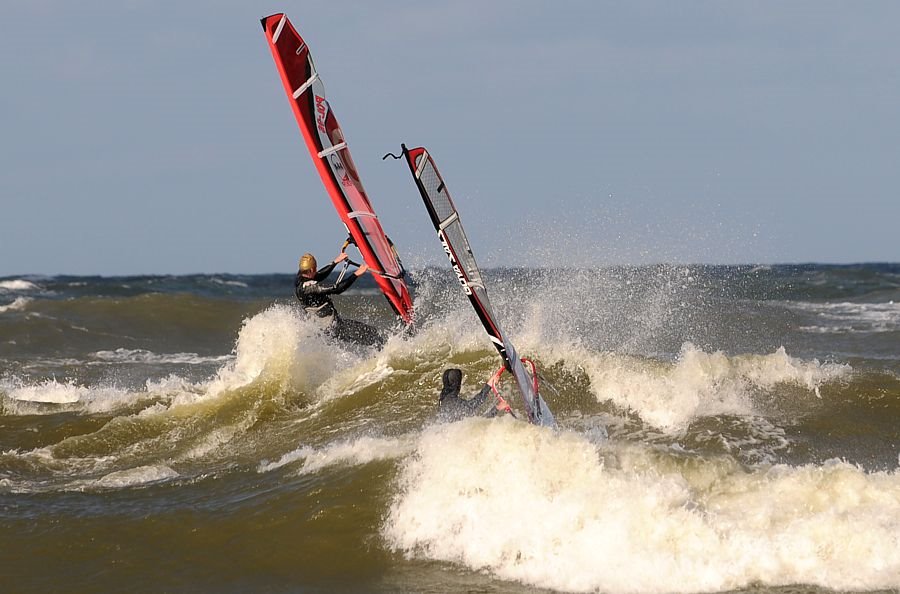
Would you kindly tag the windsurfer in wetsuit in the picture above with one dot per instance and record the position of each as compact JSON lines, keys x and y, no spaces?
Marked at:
{"x":452,"y":406}
{"x":315,"y":295}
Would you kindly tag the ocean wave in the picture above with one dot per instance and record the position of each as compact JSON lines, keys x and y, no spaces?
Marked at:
{"x":283,"y":351}
{"x":18,"y":304}
{"x":286,"y":352}
{"x":283,"y":348}
{"x":122,"y":355}
{"x":850,"y":318}
{"x":555,"y":510}
{"x":17,"y":285}
{"x":355,"y":452}
{"x":131,"y":477}
{"x":278,"y":349}
{"x":50,"y":395}
{"x":698,"y":384}
{"x":228,"y":283}
{"x":49,"y":391}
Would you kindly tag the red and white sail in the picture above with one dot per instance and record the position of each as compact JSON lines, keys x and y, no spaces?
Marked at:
{"x":328,"y":149}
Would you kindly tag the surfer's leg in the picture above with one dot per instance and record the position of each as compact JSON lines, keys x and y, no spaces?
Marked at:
{"x":357,"y":332}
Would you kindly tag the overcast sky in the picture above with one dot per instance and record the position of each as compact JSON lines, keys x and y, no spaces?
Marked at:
{"x":155,"y":137}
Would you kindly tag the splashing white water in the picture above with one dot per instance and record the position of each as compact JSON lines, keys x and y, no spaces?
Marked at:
{"x":144,"y":356}
{"x":551,"y":509}
{"x":49,"y":391}
{"x":352,"y":452}
{"x":18,"y":304}
{"x":279,"y":346}
{"x":698,"y":384}
{"x":93,"y":399}
{"x":134,"y":477}
{"x":850,"y":318}
{"x":17,"y":285}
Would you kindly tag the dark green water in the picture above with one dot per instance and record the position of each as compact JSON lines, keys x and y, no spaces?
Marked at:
{"x":720,"y":429}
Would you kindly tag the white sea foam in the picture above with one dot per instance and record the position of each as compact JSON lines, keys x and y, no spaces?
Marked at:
{"x":554,"y":510}
{"x":666,"y":395}
{"x":134,"y":477}
{"x":351,"y":452}
{"x":357,"y":379}
{"x":228,"y":283}
{"x":49,"y":391}
{"x":122,"y":355}
{"x":22,"y":396}
{"x":280,"y":347}
{"x":851,"y":318}
{"x":17,"y":285}
{"x":277,"y":347}
{"x":698,"y":384}
{"x":18,"y":304}
{"x":439,"y":339}
{"x":170,"y":384}
{"x":37,"y":363}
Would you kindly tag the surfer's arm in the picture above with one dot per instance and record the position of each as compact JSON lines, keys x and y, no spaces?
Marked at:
{"x":325,"y":289}
{"x":323,"y":272}
{"x":345,"y":283}
{"x":477,"y":401}
{"x":318,"y":288}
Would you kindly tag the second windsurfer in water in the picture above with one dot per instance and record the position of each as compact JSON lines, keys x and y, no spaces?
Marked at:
{"x":315,"y":295}
{"x":452,"y":406}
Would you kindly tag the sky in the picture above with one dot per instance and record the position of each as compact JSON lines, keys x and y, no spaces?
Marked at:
{"x":154,"y":137}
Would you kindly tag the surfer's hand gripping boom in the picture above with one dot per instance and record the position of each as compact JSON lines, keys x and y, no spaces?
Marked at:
{"x":365,"y":266}
{"x":343,"y":257}
{"x":344,"y":254}
{"x":501,"y":403}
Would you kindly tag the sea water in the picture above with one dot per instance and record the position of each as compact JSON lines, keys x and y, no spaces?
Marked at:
{"x":720,"y":429}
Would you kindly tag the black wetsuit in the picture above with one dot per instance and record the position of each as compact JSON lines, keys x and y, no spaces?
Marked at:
{"x":315,"y":296}
{"x":452,"y":406}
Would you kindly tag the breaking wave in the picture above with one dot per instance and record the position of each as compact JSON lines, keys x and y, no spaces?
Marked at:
{"x":557,"y":510}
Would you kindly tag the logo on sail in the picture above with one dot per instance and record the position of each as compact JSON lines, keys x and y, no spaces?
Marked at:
{"x":459,"y":274}
{"x":321,"y":113}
